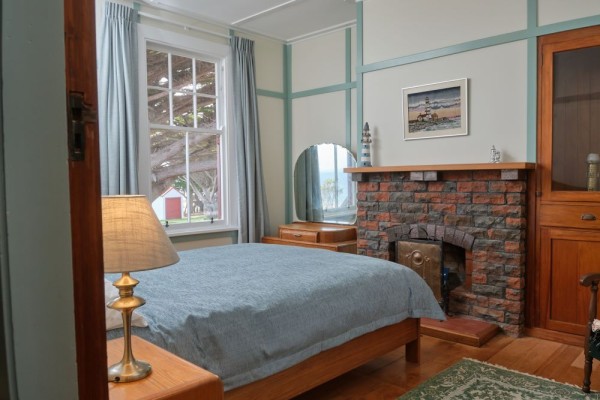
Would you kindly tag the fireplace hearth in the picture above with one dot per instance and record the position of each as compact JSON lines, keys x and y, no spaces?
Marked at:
{"x":480,"y":212}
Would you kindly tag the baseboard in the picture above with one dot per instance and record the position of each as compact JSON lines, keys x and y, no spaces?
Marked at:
{"x":555,"y":336}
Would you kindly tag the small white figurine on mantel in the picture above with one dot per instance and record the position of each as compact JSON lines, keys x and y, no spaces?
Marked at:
{"x":365,"y":153}
{"x":494,"y":155}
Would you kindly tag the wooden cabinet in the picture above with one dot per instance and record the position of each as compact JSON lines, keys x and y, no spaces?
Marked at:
{"x":340,"y":238}
{"x":172,"y":378}
{"x":568,"y":200}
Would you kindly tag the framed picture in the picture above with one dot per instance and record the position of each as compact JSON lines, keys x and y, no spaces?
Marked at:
{"x":435,"y":110}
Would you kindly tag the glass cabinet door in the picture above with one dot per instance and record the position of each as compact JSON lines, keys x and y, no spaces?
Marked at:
{"x":576,"y":120}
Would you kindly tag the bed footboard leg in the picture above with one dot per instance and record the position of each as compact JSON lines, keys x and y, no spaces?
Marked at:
{"x":413,"y":351}
{"x":413,"y":348}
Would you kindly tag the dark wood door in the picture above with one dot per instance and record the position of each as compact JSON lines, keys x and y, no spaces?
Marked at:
{"x":568,"y":206}
{"x":84,"y":187}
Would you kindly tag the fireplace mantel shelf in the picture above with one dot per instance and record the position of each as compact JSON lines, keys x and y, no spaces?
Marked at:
{"x":443,"y":167}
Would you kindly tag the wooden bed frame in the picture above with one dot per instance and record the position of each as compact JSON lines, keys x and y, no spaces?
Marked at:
{"x":334,"y":362}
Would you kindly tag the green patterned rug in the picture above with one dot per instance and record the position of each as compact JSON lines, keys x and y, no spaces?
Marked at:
{"x":470,"y":379}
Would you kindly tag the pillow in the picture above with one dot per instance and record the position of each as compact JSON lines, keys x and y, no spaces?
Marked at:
{"x":114,"y":318}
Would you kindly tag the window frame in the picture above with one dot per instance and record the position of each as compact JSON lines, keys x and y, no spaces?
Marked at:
{"x":188,"y":46}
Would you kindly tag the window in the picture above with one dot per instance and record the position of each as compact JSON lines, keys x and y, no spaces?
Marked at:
{"x":184,"y":135}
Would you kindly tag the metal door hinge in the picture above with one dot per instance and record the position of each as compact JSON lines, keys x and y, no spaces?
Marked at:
{"x":79,"y":114}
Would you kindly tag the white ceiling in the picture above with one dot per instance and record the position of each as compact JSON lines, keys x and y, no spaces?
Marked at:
{"x":285,"y":20}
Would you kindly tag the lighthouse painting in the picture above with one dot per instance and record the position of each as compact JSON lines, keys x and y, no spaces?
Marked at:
{"x":435,"y":110}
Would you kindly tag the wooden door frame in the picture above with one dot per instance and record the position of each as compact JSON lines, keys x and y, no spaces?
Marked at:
{"x":85,"y":197}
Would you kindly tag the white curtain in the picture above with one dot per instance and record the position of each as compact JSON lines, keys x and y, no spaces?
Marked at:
{"x":118,"y":100}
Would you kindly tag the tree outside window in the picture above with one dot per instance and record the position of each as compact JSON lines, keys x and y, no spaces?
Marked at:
{"x":185,"y":138}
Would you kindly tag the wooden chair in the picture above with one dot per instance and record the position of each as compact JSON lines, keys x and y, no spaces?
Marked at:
{"x":591,"y":281}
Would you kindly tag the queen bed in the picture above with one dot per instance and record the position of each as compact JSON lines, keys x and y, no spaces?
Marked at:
{"x":274,"y":321}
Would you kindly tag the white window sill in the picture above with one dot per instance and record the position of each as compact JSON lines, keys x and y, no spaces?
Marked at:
{"x":174,"y":232}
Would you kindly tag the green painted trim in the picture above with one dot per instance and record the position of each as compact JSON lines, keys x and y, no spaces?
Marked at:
{"x":531,"y":138}
{"x":323,"y":90}
{"x":287,"y":121}
{"x":482,"y":43}
{"x":568,"y":25}
{"x":445,"y":51}
{"x":532,"y":14}
{"x":348,"y":54}
{"x":359,"y":75}
{"x":531,"y":99}
{"x":270,"y":93}
{"x":348,"y":91}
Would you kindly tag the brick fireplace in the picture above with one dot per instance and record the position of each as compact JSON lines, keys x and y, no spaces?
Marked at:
{"x":479,"y":208}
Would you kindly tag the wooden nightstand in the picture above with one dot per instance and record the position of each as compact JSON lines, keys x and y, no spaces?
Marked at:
{"x":172,"y":378}
{"x":340,"y":238}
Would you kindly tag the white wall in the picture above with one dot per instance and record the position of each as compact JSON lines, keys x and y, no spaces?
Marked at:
{"x":319,"y":62}
{"x":497,"y":74}
{"x":393,"y":28}
{"x":497,"y":94}
{"x":37,"y":199}
{"x":553,"y":11}
{"x":272,"y":131}
{"x":270,"y":76}
{"x":321,"y":116}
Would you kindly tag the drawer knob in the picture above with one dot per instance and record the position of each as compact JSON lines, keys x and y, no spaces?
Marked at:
{"x":300,"y":235}
{"x":588,"y":217}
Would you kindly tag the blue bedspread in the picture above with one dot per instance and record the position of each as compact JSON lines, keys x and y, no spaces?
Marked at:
{"x":247,"y":311}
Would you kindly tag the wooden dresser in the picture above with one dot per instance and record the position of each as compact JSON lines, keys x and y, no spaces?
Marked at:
{"x":340,"y":238}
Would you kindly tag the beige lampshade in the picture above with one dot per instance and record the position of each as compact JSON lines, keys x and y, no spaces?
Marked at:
{"x":134,"y":239}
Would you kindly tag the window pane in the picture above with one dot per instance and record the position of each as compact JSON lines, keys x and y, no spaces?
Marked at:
{"x":167,"y":162}
{"x":158,"y":68}
{"x":575,"y":124}
{"x":158,"y":106}
{"x":207,"y":112}
{"x":185,"y":173}
{"x":181,"y":68}
{"x":183,"y":109}
{"x":204,"y":176}
{"x":205,"y":77}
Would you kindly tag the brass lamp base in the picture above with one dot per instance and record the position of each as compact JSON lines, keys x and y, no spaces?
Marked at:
{"x":129,"y":372}
{"x":128,"y":369}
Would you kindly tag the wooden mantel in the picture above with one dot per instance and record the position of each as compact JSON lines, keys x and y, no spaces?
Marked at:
{"x":443,"y":167}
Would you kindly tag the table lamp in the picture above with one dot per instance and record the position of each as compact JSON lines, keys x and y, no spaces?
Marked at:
{"x":133,"y":240}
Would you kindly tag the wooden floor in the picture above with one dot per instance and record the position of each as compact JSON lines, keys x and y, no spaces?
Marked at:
{"x":390,"y":376}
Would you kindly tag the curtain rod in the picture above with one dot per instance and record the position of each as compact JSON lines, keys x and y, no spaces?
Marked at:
{"x":184,"y":26}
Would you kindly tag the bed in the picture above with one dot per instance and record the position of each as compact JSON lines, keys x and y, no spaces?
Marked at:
{"x":273,"y":321}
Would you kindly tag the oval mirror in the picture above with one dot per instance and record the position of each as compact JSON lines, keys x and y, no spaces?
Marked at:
{"x":323,"y":192}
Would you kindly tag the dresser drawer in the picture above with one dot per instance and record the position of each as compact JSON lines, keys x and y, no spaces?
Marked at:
{"x":301,"y":236}
{"x":575,"y":216}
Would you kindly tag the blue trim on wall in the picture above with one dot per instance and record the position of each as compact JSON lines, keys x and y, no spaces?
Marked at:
{"x":531,"y":32}
{"x":323,"y":90}
{"x":532,"y":21}
{"x":359,"y":74}
{"x":287,"y":121}
{"x":270,"y":93}
{"x":532,"y":14}
{"x":567,"y":25}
